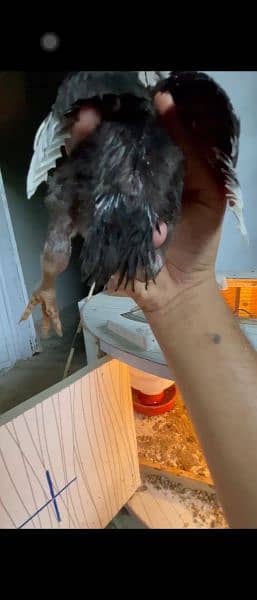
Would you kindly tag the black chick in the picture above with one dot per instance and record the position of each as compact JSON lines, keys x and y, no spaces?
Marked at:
{"x":115,"y":187}
{"x":206,"y":110}
{"x":127,"y":176}
{"x":118,"y":185}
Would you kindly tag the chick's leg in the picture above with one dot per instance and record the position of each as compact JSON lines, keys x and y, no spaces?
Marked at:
{"x":54,"y":260}
{"x":59,"y":202}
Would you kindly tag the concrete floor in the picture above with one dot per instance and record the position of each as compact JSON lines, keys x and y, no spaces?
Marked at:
{"x":125,"y":520}
{"x":29,"y":377}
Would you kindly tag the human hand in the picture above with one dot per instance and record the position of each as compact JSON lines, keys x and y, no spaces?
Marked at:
{"x":190,"y":258}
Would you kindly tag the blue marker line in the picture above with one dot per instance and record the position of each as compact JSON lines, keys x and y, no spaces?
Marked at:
{"x":46,"y":504}
{"x":51,"y":488}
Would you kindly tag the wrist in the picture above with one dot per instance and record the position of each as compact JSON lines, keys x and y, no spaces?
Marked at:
{"x":183,"y":298}
{"x":190,"y":322}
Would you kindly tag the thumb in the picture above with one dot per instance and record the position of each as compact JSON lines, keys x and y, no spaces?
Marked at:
{"x":167,"y":110}
{"x":199,"y":174}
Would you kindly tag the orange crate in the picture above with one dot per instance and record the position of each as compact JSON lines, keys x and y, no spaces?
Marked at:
{"x":241,"y":297}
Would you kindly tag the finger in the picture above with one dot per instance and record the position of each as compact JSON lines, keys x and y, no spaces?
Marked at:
{"x":87,"y":120}
{"x":125,"y":289}
{"x":159,"y":237}
{"x":31,"y":305}
{"x":201,"y":183}
{"x":149,"y":298}
{"x":167,"y":110}
{"x":196,"y":167}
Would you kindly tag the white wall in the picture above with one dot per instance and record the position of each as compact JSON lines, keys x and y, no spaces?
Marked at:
{"x":234,"y":253}
{"x":16,"y":342}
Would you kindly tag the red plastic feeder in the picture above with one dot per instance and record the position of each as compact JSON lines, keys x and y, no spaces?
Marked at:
{"x":155,"y":404}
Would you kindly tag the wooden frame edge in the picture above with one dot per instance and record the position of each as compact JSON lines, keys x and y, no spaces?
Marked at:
{"x":185,"y":477}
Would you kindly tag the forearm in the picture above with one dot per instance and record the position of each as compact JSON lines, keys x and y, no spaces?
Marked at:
{"x":199,"y":335}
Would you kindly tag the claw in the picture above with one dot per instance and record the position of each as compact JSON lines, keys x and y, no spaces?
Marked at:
{"x":49,"y":311}
{"x":58,"y":329}
{"x":45,"y":324}
{"x":57,"y":324}
{"x":31,"y":305}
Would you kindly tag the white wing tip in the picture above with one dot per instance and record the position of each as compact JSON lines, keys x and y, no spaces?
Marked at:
{"x":30,"y":188}
{"x":151,"y":78}
{"x":49,"y":139}
{"x":235,"y":195}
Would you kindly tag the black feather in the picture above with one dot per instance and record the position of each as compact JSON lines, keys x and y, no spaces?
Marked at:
{"x":82,"y":86}
{"x":206,"y":110}
{"x":125,"y":178}
{"x":129,"y":172}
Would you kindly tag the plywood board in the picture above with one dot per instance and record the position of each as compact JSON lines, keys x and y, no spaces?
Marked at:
{"x":170,"y":503}
{"x":69,"y":458}
{"x":172,"y":472}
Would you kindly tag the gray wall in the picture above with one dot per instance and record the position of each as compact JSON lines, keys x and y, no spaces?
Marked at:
{"x":234,"y":253}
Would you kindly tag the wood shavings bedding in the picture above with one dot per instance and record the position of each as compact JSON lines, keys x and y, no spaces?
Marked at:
{"x":181,"y":507}
{"x":170,"y":440}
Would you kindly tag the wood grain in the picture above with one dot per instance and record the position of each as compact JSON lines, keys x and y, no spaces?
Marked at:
{"x":173,"y":473}
{"x":70,"y":459}
{"x":175,"y":502}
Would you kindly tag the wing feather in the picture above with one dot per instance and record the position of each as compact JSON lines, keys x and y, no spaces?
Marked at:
{"x":49,"y":139}
{"x":51,"y":135}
